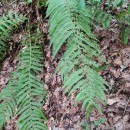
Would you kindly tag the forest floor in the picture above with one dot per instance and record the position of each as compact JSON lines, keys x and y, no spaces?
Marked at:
{"x":61,"y":111}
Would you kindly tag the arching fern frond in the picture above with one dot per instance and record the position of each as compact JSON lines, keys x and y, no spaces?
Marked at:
{"x":7,"y":96}
{"x":61,"y":22}
{"x":7,"y":24}
{"x":71,"y":23}
{"x":30,"y":89}
{"x":24,"y":94}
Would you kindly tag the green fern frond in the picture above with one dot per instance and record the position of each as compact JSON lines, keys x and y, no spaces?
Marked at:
{"x":61,"y":22}
{"x":7,"y":24}
{"x":71,"y":24}
{"x":24,"y":94}
{"x":8,"y":98}
{"x":31,"y":92}
{"x":8,"y":105}
{"x":103,"y":18}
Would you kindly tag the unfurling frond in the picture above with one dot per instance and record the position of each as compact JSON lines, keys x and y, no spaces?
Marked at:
{"x":70,"y":23}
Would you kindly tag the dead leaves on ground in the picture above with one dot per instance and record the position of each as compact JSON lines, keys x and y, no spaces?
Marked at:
{"x":117,"y":111}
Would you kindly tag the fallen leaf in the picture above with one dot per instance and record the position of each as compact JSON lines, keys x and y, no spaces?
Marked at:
{"x":112,"y":101}
{"x":118,"y":61}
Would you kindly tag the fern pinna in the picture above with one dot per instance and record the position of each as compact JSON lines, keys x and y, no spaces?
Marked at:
{"x":7,"y":24}
{"x":26,"y":90}
{"x":70,"y":23}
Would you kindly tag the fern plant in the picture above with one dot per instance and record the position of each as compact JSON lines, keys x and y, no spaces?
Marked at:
{"x":7,"y":24}
{"x":8,"y":104}
{"x":70,"y":23}
{"x":31,"y":92}
{"x":124,"y":23}
{"x":24,"y":94}
{"x":104,"y":18}
{"x":122,"y":18}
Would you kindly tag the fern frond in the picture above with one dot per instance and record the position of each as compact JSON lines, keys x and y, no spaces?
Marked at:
{"x":30,"y":89}
{"x":24,"y":94}
{"x":102,"y":17}
{"x":72,"y":24}
{"x":7,"y":24}
{"x":8,"y":98}
{"x":61,"y":22}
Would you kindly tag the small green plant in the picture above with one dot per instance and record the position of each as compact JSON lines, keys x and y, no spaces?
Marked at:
{"x":85,"y":126}
{"x":104,"y":18}
{"x":124,"y":23}
{"x":123,"y":18}
{"x":116,"y":3}
{"x":100,"y":121}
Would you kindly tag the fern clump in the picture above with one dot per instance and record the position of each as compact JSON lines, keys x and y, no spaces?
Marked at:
{"x":24,"y":94}
{"x":70,"y":25}
{"x":7,"y":24}
{"x":70,"y":22}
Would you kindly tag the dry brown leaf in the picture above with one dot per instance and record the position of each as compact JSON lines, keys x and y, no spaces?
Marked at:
{"x":118,"y":61}
{"x":116,"y":73}
{"x":113,"y":100}
{"x":116,"y":119}
{"x":126,"y":76}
